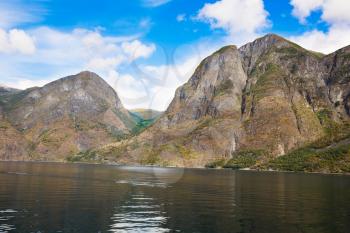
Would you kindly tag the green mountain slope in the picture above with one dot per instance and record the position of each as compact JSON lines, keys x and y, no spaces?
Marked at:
{"x":247,"y":107}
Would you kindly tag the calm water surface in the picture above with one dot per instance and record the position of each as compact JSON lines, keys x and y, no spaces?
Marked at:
{"x":40,"y":197}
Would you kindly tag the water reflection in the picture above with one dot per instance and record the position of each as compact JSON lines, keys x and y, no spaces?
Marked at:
{"x":52,"y":198}
{"x":5,"y":218}
{"x":139,"y":214}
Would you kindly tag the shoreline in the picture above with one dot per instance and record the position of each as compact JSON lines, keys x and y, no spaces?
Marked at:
{"x":170,"y":167}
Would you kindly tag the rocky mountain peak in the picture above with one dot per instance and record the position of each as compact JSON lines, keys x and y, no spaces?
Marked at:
{"x":85,"y":95}
{"x":84,"y":75}
{"x":264,"y":100}
{"x":251,"y":52}
{"x":213,"y":89}
{"x":265,"y":42}
{"x":83,"y":80}
{"x":74,"y":113}
{"x":261,"y":101}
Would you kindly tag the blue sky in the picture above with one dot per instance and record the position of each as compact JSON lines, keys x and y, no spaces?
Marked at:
{"x":146,"y":48}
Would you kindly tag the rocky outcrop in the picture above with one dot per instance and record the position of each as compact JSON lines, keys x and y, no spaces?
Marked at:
{"x":337,"y":79}
{"x":284,"y":92}
{"x":68,"y":116}
{"x":248,"y":105}
{"x":268,"y":97}
{"x":214,"y":90}
{"x":12,"y":143}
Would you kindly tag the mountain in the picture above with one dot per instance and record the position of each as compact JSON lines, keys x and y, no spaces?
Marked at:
{"x":4,"y":90}
{"x":248,"y":107}
{"x":12,"y":142}
{"x":144,"y":118}
{"x":65,"y":117}
{"x":146,"y":114}
{"x":269,"y":104}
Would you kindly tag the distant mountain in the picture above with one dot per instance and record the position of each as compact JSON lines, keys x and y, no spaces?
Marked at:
{"x":144,"y":118}
{"x":251,"y":107}
{"x":7,"y":90}
{"x":146,"y":114}
{"x":65,"y":117}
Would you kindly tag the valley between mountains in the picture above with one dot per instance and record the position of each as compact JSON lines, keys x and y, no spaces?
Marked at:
{"x":269,"y":104}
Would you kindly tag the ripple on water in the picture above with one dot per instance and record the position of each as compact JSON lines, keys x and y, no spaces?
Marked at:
{"x":151,"y":184}
{"x":140,"y":214}
{"x":5,"y":216}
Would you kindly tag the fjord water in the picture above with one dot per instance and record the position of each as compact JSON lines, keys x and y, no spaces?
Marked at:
{"x":47,"y":197}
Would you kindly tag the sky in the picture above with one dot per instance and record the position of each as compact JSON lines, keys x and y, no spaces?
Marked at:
{"x":146,"y":49}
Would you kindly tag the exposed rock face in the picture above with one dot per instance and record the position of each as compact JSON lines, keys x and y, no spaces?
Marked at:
{"x":337,"y":79}
{"x":67,"y":116}
{"x":260,"y":101}
{"x":270,"y":95}
{"x":12,"y":143}
{"x":284,"y":92}
{"x":214,"y":90}
{"x":203,"y":117}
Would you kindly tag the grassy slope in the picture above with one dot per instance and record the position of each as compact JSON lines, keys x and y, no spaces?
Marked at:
{"x":330,"y":154}
{"x":333,"y":159}
{"x":144,"y":118}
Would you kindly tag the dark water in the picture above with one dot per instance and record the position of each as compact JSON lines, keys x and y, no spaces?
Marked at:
{"x":90,"y":198}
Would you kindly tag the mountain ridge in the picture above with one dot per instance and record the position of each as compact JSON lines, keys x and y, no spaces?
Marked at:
{"x":242,"y":107}
{"x":284,"y":106}
{"x":67,"y":116}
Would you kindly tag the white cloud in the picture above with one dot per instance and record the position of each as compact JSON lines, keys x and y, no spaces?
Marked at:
{"x":181,"y":17}
{"x":15,"y":12}
{"x":16,"y":41}
{"x":145,"y":23}
{"x":91,"y":48}
{"x":155,"y":85}
{"x":168,"y":79}
{"x":58,"y":54}
{"x":135,"y":49}
{"x":155,"y":3}
{"x":27,"y":83}
{"x":105,"y":63}
{"x":326,"y":42}
{"x":302,"y":9}
{"x":335,"y":13}
{"x":241,"y":19}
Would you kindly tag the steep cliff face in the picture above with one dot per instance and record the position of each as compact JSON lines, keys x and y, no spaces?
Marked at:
{"x":214,"y":90}
{"x":337,"y":79}
{"x":200,"y":123}
{"x":205,"y":113}
{"x":12,"y":144}
{"x":67,"y":116}
{"x":263,"y":100}
{"x":284,"y":92}
{"x":249,"y":106}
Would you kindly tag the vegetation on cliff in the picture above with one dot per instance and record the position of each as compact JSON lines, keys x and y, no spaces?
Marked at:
{"x":270,"y":104}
